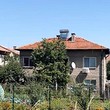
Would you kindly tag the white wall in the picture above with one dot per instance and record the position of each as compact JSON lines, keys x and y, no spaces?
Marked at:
{"x":1,"y":60}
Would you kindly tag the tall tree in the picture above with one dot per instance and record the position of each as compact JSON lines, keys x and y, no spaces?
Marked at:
{"x":51,"y":63}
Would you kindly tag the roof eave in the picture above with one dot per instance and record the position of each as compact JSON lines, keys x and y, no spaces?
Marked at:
{"x":106,"y":50}
{"x":24,"y":49}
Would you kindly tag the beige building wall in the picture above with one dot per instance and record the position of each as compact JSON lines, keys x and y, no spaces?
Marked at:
{"x":24,"y":54}
{"x":98,"y":73}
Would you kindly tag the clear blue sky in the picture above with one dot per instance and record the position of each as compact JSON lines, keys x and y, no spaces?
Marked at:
{"x":27,"y":21}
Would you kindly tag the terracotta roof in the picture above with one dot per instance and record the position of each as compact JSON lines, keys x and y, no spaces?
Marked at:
{"x":7,"y":50}
{"x":77,"y":44}
{"x":80,"y":43}
{"x":3,"y":49}
{"x":14,"y":51}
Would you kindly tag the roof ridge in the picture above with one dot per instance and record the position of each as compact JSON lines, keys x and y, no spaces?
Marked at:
{"x":5,"y":48}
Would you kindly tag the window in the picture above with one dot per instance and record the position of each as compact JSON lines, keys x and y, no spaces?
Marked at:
{"x":89,"y":62}
{"x":90,"y":82}
{"x":27,"y":61}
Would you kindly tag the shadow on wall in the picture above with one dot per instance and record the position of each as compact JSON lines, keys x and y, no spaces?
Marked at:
{"x":81,"y":77}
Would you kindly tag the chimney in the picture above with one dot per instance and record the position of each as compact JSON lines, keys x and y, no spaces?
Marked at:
{"x":73,"y":37}
{"x":58,"y":36}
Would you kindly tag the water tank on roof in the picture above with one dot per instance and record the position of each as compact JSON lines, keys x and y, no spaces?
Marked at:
{"x":64,"y":33}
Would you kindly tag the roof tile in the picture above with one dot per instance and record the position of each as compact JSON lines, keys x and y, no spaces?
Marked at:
{"x":78,"y":43}
{"x":3,"y":49}
{"x":7,"y":50}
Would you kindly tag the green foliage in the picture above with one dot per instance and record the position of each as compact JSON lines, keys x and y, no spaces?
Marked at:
{"x":82,"y":96}
{"x":36,"y":92}
{"x":56,"y":104}
{"x":61,"y":104}
{"x":51,"y":63}
{"x":8,"y":106}
{"x":107,"y":104}
{"x":12,"y":69}
{"x":108,"y":70}
{"x":97,"y":105}
{"x":22,"y":107}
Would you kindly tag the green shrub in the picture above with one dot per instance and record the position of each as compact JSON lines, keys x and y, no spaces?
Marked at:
{"x":107,"y":104}
{"x":41,"y":106}
{"x":56,"y":104}
{"x":22,"y":107}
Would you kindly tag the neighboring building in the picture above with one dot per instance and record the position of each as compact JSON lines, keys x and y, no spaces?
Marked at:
{"x":5,"y":51}
{"x":88,"y":59}
{"x":108,"y":58}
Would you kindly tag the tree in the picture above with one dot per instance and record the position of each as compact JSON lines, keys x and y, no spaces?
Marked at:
{"x":51,"y":63}
{"x":108,"y":70}
{"x":11,"y":70}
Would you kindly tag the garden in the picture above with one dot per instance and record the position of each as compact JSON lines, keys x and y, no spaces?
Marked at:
{"x":35,"y":96}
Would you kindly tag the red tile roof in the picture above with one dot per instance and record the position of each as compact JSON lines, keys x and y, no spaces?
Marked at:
{"x":3,"y":49}
{"x":78,"y":44}
{"x":7,"y":50}
{"x":14,"y":51}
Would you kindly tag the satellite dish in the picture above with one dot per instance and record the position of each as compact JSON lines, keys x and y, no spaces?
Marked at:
{"x":73,"y":65}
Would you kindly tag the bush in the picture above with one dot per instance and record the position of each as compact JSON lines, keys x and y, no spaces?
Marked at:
{"x":22,"y":107}
{"x":107,"y":104}
{"x":56,"y":104}
{"x":5,"y":106}
{"x":97,"y":105}
{"x":36,"y":92}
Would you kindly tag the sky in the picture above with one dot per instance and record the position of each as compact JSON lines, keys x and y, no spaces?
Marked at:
{"x":25,"y":22}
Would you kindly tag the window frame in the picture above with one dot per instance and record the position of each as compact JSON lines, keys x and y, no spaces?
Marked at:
{"x":90,"y":80}
{"x":29,"y":60}
{"x":89,"y":62}
{"x":92,"y":84}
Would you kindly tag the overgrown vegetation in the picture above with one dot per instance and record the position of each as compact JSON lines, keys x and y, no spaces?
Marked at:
{"x":59,"y":101}
{"x":12,"y":70}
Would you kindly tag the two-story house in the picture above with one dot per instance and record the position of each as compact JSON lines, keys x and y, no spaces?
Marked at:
{"x":88,"y":59}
